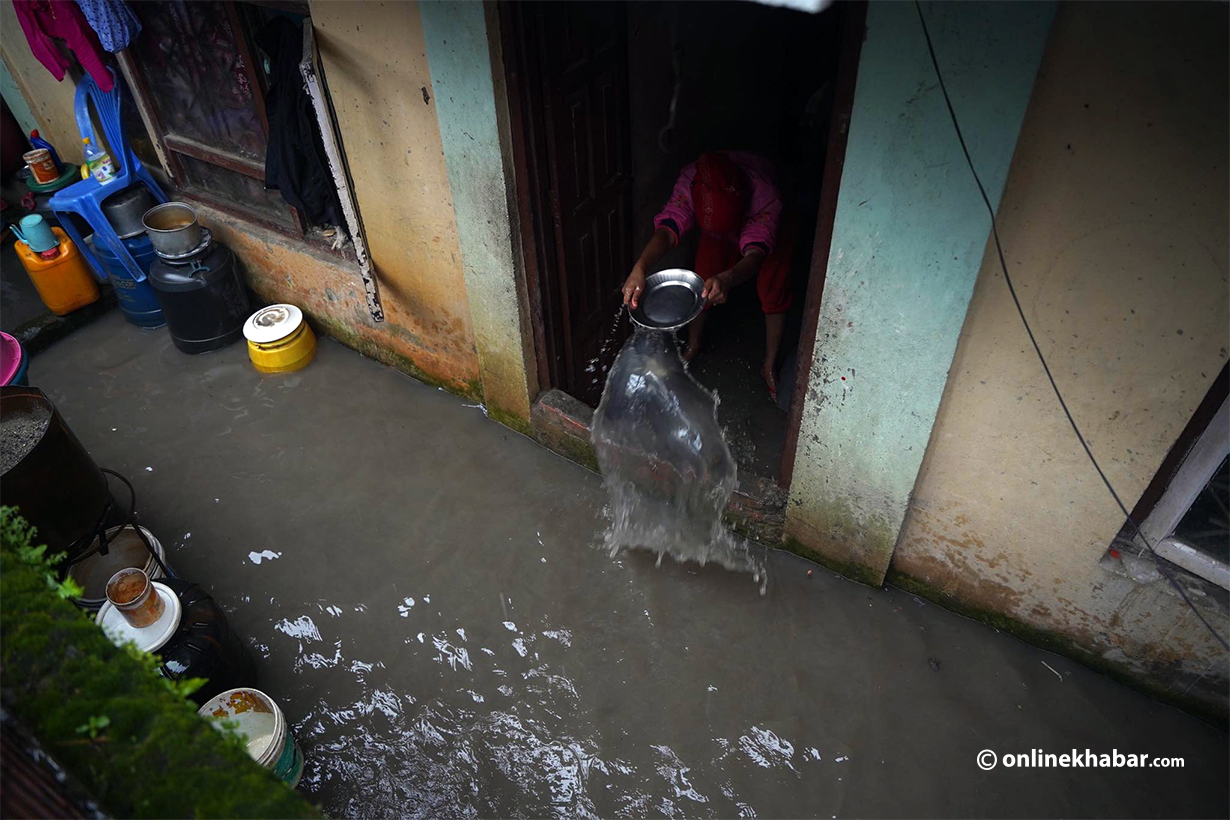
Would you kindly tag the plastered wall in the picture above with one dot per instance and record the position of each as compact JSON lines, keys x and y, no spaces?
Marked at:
{"x":376,"y":67}
{"x":907,"y":240}
{"x":1115,"y":225}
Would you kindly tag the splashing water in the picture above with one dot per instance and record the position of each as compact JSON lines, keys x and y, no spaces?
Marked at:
{"x":599,"y":365}
{"x":664,"y":460}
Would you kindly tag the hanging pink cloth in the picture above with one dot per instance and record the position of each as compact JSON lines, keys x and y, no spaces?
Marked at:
{"x":43,"y":19}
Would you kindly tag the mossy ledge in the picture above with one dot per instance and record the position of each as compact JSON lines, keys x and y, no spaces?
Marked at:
{"x":155,"y":757}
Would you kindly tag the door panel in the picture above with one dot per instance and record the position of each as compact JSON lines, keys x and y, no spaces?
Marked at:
{"x":585,"y":103}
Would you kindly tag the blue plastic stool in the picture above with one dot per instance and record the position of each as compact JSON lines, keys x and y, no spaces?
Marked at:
{"x":85,"y":198}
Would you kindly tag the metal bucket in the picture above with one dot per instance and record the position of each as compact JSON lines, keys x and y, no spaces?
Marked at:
{"x":125,"y":550}
{"x":173,"y":228}
{"x":126,"y":209}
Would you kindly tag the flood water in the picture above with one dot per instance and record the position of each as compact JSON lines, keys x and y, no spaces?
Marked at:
{"x":431,"y":600}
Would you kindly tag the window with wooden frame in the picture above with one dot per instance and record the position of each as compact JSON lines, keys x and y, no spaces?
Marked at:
{"x":203,"y":83}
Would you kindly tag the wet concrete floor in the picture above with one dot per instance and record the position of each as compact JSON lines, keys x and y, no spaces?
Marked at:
{"x":424,"y":595}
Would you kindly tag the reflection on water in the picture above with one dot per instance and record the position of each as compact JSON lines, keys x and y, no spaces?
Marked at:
{"x":665,"y":465}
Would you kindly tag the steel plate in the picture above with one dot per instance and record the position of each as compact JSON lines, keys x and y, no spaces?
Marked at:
{"x":672,"y":298}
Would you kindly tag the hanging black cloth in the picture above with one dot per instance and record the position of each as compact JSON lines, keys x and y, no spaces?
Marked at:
{"x":295,"y":161}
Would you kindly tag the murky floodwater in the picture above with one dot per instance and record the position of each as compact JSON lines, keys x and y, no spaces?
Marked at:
{"x":665,"y":465}
{"x":429,"y":598}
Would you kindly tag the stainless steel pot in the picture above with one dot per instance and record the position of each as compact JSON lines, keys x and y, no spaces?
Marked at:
{"x":125,"y":210}
{"x":173,"y":228}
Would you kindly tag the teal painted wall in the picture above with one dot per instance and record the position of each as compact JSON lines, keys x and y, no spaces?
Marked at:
{"x":908,"y":241}
{"x":470,"y":116}
{"x":16,"y":102}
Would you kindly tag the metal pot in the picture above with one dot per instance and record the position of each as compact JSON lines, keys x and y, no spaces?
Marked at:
{"x":173,"y":228}
{"x":125,"y":209}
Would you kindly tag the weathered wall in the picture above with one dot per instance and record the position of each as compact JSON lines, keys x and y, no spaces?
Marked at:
{"x":50,"y":101}
{"x":16,"y":102}
{"x":907,"y":242}
{"x":284,"y":269}
{"x":376,"y":68}
{"x":1114,"y":222}
{"x":471,"y":120}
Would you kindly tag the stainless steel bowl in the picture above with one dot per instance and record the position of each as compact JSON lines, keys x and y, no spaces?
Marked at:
{"x":173,"y":228}
{"x":125,"y":210}
{"x":671,"y":299}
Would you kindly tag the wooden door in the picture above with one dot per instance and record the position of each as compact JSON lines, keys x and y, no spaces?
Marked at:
{"x":569,"y":80}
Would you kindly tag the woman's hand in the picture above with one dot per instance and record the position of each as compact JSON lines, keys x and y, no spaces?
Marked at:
{"x":716,"y":288}
{"x":634,"y":286}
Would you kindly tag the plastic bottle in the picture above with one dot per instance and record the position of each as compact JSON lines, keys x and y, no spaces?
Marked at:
{"x":39,"y":142}
{"x":99,"y":162}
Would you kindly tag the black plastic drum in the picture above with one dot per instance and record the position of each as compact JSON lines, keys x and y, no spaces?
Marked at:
{"x":203,"y":299}
{"x":204,"y":646}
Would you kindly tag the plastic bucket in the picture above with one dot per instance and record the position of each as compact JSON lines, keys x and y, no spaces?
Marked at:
{"x":56,"y":486}
{"x":124,"y":550}
{"x":137,"y":299}
{"x":269,"y":740}
{"x":13,"y":361}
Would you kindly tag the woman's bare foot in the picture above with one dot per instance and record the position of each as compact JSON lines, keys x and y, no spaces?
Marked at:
{"x":770,"y":378}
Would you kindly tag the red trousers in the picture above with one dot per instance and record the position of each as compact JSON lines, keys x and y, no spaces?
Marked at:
{"x":715,"y":254}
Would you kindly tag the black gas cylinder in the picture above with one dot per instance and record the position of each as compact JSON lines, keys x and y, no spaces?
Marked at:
{"x":204,"y":646}
{"x":202,"y":298}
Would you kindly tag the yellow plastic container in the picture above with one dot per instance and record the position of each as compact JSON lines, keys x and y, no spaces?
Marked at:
{"x":64,"y":283}
{"x":285,"y":355}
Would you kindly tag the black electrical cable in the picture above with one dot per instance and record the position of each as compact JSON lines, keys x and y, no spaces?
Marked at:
{"x":1012,"y":290}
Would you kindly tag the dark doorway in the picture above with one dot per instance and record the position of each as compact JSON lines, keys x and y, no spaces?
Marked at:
{"x":569,"y":66}
{"x":608,"y":102}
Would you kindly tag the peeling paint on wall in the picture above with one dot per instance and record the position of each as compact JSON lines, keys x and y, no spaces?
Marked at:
{"x":374,"y":63}
{"x":329,"y":291}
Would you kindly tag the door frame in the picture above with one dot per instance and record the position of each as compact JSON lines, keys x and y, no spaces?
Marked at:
{"x":536,"y":211}
{"x":853,"y":32}
{"x":538,"y":214}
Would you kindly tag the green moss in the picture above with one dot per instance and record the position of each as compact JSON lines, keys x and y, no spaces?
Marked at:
{"x":1052,"y":642}
{"x":850,"y":569}
{"x":513,"y":421}
{"x":150,"y":754}
{"x":468,"y":389}
{"x":570,"y":447}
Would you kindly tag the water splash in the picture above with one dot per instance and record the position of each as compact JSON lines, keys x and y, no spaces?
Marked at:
{"x":600,"y":364}
{"x":665,"y":464}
